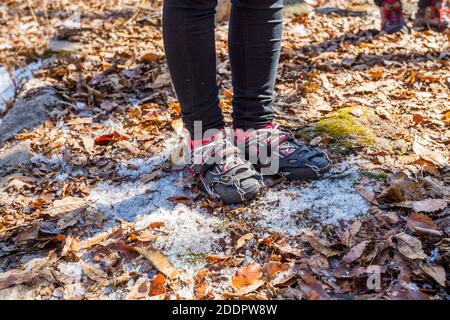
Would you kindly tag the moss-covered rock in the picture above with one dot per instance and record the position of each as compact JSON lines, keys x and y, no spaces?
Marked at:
{"x":346,"y":129}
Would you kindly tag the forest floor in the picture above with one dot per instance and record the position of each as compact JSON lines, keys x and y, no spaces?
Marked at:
{"x":92,"y":207}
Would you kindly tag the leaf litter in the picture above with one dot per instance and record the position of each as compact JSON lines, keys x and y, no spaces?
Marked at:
{"x":99,"y":212}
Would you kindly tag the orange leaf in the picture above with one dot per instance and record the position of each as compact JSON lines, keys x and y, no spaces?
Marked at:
{"x":132,"y":237}
{"x":201,"y":285}
{"x":150,"y":57}
{"x":271,"y":268}
{"x":110,"y":138}
{"x":155,"y":225}
{"x":228,"y":94}
{"x":37,"y":203}
{"x":417,"y":118}
{"x":157,"y":286}
{"x":179,"y":198}
{"x":246,"y":275}
{"x":59,"y":238}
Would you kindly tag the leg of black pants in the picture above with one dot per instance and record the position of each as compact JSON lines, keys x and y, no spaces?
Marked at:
{"x":189,"y":41}
{"x":254,"y":44}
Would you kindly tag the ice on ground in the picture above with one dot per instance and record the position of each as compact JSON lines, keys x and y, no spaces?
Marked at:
{"x":323,"y":201}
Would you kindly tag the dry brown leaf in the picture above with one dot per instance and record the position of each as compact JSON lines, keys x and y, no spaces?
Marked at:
{"x":245,"y":290}
{"x":29,"y":233}
{"x":160,"y":262}
{"x":243,"y":240}
{"x":149,"y":57}
{"x":429,"y":205}
{"x":140,"y":290}
{"x":355,"y":252}
{"x":272,"y":268}
{"x":320,"y":245}
{"x":246,"y":275}
{"x":417,"y":222}
{"x":71,"y":245}
{"x":13,"y":278}
{"x":68,"y":219}
{"x":311,"y":288}
{"x":201,"y":286}
{"x":436,"y":272}
{"x":163,"y":80}
{"x":352,"y":232}
{"x":179,"y":198}
{"x":93,"y":273}
{"x":66,"y":205}
{"x":409,"y":246}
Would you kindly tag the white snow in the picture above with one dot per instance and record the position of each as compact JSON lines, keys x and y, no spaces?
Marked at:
{"x":294,"y":208}
{"x":21,"y":75}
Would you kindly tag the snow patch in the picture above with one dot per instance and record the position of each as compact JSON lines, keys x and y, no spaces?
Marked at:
{"x":19,"y":76}
{"x":324,"y":201}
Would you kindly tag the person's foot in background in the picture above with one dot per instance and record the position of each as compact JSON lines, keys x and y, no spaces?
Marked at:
{"x":392,"y":19}
{"x":431,"y":15}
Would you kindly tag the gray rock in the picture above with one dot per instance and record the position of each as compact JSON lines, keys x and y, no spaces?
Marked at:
{"x":31,"y":109}
{"x":19,"y":154}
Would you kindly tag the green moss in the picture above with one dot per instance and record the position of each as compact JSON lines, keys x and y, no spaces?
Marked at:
{"x":194,"y":258}
{"x":378,"y":175}
{"x":346,"y":129}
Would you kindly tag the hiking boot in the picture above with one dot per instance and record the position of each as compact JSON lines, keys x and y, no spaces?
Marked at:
{"x":431,"y":16}
{"x":221,"y":171}
{"x":392,"y":19}
{"x":295,"y":161}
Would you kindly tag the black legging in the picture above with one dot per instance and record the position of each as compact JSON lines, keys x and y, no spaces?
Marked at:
{"x":255,"y":32}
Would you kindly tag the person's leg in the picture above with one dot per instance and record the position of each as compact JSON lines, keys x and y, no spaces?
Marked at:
{"x":255,"y":34}
{"x":254,"y":45}
{"x":430,"y":15}
{"x":392,"y":19}
{"x":189,"y":41}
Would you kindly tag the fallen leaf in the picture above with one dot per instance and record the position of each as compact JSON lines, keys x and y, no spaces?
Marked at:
{"x":163,"y":80}
{"x":12,"y":278}
{"x":417,"y":222}
{"x":272,"y":268}
{"x":71,"y":245}
{"x":409,"y":246}
{"x":29,"y":233}
{"x":355,"y":252}
{"x":179,"y":198}
{"x":146,"y":236}
{"x":156,"y":225}
{"x":320,"y":245}
{"x":66,"y":205}
{"x":157,"y":286}
{"x":201,"y":286}
{"x":436,"y":272}
{"x":417,"y":118}
{"x":68,"y":220}
{"x":93,"y":273}
{"x":111,"y":138}
{"x":352,"y":232}
{"x":245,"y":290}
{"x":149,"y":57}
{"x":311,"y":288}
{"x":246,"y":275}
{"x":243,"y":240}
{"x":140,"y":290}
{"x":160,"y":262}
{"x":429,"y":205}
